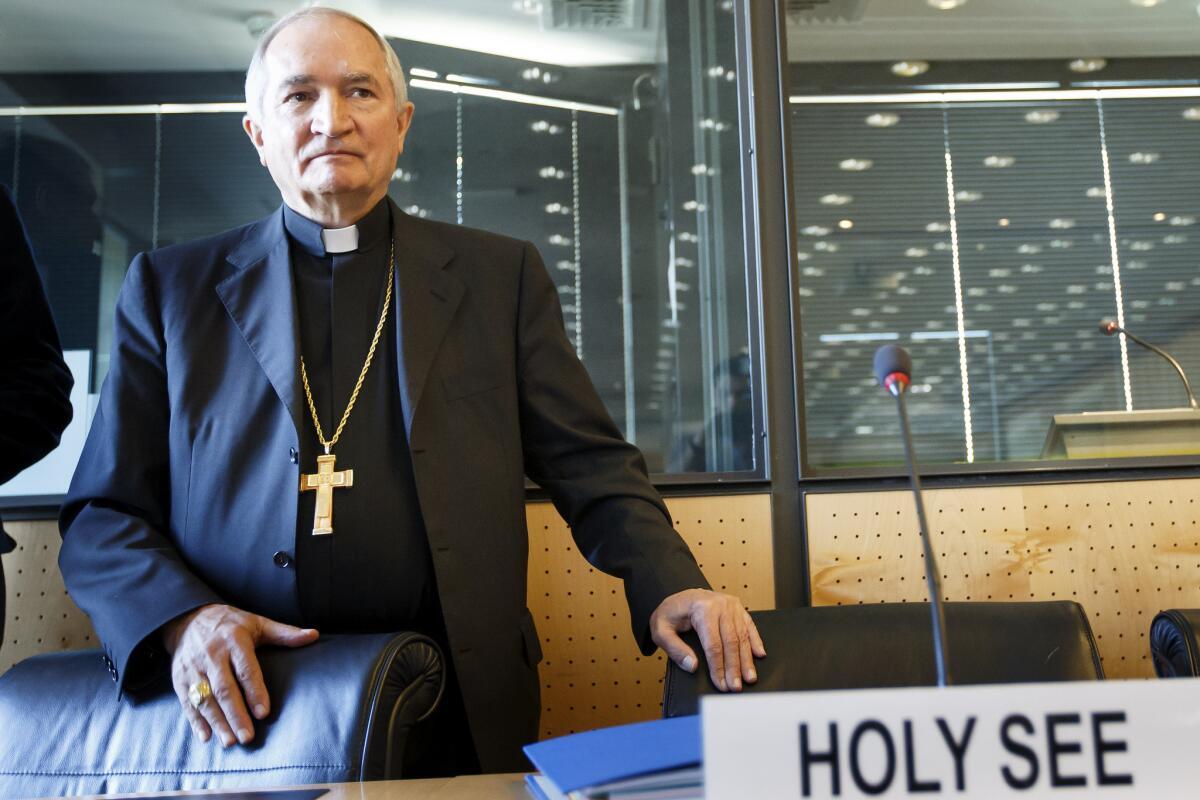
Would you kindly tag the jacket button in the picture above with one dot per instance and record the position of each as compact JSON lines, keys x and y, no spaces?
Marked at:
{"x":282,"y":559}
{"x":293,"y":456}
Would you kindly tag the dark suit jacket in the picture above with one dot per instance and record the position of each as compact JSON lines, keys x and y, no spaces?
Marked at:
{"x":186,"y":487}
{"x":35,"y":384}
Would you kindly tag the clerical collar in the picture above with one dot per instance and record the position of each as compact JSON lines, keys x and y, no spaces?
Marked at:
{"x":318,"y":241}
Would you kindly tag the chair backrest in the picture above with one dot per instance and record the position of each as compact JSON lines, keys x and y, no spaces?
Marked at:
{"x":352,"y":702}
{"x":890,"y":644}
{"x":1173,"y":646}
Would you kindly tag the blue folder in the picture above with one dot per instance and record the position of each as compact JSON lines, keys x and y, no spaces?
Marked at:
{"x":604,"y":756}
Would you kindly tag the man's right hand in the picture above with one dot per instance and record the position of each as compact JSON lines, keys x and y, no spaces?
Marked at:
{"x":216,"y":643}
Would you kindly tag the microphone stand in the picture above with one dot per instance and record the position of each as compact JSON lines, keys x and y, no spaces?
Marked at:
{"x":933,"y":577}
{"x":1170,"y":359}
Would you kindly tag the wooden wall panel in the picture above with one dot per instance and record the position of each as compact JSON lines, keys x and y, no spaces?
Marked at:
{"x":40,"y":617}
{"x":1123,"y":550}
{"x":593,"y":674}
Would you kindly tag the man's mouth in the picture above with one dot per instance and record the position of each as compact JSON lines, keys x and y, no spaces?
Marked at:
{"x":333,"y":153}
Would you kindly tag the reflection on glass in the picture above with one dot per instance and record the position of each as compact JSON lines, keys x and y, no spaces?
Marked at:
{"x":620,"y":162}
{"x":986,"y":212}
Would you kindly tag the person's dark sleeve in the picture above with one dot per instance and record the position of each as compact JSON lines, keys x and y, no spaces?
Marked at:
{"x":597,"y":480}
{"x":35,"y":384}
{"x":118,"y":562}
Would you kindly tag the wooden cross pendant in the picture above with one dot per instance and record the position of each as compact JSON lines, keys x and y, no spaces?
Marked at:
{"x":324,"y":482}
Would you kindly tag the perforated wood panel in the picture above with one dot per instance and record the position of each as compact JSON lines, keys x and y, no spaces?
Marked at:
{"x":1123,"y":550}
{"x":593,"y":674}
{"x":40,"y":617}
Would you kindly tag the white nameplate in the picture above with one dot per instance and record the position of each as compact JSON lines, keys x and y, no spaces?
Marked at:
{"x":1047,"y":740}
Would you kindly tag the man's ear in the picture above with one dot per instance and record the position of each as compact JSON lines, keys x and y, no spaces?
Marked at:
{"x":404,"y":121}
{"x":254,"y":131}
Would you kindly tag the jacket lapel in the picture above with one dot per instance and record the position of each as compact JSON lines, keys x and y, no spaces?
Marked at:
{"x":262,"y":303}
{"x":428,"y":296}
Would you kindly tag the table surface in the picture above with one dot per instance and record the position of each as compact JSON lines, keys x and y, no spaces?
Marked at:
{"x":464,"y":787}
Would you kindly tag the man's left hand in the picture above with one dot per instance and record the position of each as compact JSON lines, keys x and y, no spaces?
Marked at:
{"x":727,"y":634}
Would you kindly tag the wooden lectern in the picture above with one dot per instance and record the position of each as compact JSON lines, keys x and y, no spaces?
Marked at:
{"x":1118,"y":434}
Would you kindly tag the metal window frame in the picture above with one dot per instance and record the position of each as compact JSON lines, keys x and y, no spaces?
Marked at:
{"x":763,"y":91}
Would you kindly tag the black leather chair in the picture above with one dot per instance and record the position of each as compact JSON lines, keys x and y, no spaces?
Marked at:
{"x":343,"y":711}
{"x":1173,"y":647}
{"x":891,"y":644}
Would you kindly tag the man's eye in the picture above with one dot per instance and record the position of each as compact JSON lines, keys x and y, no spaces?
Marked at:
{"x":296,"y":97}
{"x":360,"y":92}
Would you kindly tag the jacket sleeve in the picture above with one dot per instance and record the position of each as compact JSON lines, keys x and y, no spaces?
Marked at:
{"x":117,"y":559}
{"x":597,"y":480}
{"x":35,"y":384}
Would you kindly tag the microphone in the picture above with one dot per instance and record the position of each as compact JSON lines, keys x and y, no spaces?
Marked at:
{"x":1109,"y":327}
{"x":893,"y":370}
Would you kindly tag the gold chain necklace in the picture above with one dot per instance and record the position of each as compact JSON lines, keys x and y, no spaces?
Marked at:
{"x":327,"y":478}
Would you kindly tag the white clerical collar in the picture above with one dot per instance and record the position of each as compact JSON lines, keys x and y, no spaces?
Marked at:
{"x":340,"y":240}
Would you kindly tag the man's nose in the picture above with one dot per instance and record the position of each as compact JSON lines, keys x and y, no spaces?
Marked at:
{"x":331,"y":116}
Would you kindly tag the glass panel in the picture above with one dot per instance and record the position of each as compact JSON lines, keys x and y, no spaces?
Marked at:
{"x":618,"y":156}
{"x":1154,"y":145}
{"x":85,"y":189}
{"x":967,"y":187}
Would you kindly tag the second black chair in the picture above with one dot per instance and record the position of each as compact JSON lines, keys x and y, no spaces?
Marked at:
{"x":1173,"y":645}
{"x":890,"y":644}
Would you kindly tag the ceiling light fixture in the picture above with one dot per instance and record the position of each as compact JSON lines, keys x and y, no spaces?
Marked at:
{"x":1086,"y":65}
{"x":856,"y":164}
{"x":946,"y":5}
{"x":910,"y":69}
{"x":1042,"y":117}
{"x":882,"y":120}
{"x":259,"y":23}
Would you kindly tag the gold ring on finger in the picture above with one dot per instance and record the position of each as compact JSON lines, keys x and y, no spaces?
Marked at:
{"x":198,"y":692}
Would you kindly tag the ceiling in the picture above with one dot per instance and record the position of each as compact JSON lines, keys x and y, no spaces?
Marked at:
{"x":1002,"y":29}
{"x":187,"y":35}
{"x":190,"y":35}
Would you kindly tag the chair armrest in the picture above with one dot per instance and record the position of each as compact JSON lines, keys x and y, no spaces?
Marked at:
{"x":891,"y":644}
{"x":342,"y":711}
{"x":1173,"y":647}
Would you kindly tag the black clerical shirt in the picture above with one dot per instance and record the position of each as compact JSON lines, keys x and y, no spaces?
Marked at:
{"x":375,"y":571}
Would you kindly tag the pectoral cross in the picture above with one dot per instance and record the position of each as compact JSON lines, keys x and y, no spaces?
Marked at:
{"x":324,"y":482}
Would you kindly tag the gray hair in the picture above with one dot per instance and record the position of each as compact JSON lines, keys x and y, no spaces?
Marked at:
{"x":254,"y":73}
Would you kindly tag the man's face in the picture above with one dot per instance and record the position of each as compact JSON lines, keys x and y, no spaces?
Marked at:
{"x":328,"y":129}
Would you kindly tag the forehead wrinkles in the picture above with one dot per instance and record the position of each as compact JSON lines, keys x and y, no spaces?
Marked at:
{"x":307,"y":61}
{"x":303,"y":44}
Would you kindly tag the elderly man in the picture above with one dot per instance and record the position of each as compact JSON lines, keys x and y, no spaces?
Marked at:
{"x":342,"y":356}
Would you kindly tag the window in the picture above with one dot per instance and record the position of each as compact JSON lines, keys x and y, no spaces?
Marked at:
{"x":618,"y":156}
{"x":986,"y":209}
